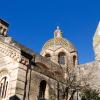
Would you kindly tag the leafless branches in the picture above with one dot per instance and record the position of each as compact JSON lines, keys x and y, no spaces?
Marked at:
{"x":77,"y":79}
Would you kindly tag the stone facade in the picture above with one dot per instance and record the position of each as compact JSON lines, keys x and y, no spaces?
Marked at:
{"x":25,"y":75}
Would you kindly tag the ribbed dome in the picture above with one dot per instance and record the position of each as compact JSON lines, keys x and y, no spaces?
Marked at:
{"x":58,"y":41}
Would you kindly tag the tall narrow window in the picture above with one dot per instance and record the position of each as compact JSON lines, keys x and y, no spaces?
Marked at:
{"x":47,"y":56}
{"x":3,"y":87}
{"x":4,"y":32}
{"x":74,"y":60}
{"x":1,"y":30}
{"x":42,"y":90}
{"x":61,"y":58}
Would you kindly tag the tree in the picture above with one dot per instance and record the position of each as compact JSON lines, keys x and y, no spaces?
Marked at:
{"x":77,"y":79}
{"x":90,"y":94}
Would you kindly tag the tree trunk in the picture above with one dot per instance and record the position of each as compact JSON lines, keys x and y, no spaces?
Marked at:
{"x":73,"y":92}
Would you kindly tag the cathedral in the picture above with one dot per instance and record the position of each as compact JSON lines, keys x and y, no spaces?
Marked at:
{"x":25,"y":75}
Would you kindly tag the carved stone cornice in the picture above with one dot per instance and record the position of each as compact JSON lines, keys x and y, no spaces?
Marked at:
{"x":13,"y":52}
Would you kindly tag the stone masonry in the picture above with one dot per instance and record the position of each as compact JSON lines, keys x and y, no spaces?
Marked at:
{"x":25,"y":75}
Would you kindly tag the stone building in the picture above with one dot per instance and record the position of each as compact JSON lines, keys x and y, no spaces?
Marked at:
{"x":25,"y":75}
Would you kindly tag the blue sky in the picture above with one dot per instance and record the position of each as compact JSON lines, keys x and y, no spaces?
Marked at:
{"x":32,"y":22}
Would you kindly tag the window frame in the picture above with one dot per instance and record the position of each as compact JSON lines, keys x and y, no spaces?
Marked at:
{"x":61,"y":58}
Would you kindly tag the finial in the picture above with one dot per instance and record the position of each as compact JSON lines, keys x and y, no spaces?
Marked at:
{"x":57,"y":27}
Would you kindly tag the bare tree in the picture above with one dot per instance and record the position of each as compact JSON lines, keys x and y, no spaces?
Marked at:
{"x":77,"y":79}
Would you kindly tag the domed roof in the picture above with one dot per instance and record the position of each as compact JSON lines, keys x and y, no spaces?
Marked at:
{"x":58,"y":40}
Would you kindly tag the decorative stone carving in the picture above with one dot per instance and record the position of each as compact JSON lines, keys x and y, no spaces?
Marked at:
{"x":8,"y":40}
{"x":13,"y":53}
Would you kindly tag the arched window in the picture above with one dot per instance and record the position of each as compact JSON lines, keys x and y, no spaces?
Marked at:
{"x":42,"y":89}
{"x":74,"y":60}
{"x":47,"y":56}
{"x":61,"y":58}
{"x":3,"y":87}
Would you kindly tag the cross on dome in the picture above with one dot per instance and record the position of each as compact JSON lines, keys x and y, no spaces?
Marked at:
{"x":58,"y":28}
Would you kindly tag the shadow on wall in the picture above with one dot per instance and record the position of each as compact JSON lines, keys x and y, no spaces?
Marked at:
{"x":14,"y":98}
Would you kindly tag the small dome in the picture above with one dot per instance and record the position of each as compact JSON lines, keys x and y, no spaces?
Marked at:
{"x":57,"y":41}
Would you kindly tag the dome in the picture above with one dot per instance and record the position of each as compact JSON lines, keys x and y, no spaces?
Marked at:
{"x":59,"y":50}
{"x":59,"y":41}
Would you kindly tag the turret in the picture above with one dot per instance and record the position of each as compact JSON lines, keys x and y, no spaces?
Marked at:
{"x":96,"y":43}
{"x":3,"y":27}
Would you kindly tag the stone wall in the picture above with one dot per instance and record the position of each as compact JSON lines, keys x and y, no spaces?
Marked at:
{"x":25,"y":75}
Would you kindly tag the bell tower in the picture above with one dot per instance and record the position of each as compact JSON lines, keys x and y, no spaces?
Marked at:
{"x":96,"y":43}
{"x":3,"y":27}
